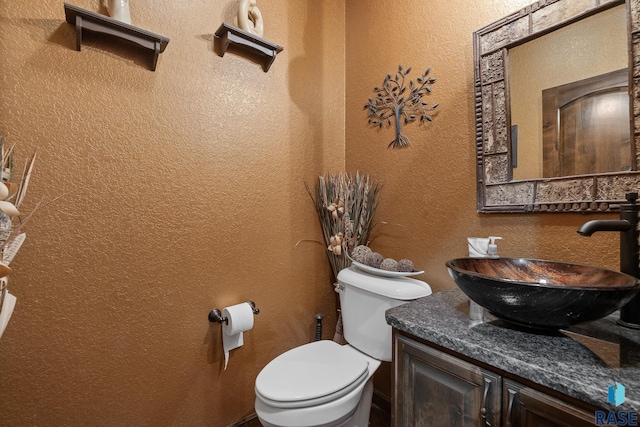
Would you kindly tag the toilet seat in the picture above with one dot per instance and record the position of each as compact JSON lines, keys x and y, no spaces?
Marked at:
{"x":310,"y":375}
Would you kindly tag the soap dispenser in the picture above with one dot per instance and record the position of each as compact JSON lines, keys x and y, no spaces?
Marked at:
{"x":492,"y":249}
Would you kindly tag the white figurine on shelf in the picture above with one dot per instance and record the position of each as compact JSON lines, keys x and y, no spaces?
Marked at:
{"x":250,"y":18}
{"x":119,"y":10}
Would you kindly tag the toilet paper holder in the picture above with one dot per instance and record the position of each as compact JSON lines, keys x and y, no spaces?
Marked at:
{"x":215,"y":315}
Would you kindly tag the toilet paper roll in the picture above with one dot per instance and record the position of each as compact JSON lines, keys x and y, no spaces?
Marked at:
{"x":240,"y":319}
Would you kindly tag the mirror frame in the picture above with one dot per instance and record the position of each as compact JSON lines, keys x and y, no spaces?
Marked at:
{"x":497,"y":191}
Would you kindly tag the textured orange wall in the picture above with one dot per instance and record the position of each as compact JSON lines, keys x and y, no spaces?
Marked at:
{"x":187,"y":193}
{"x":429,"y":193}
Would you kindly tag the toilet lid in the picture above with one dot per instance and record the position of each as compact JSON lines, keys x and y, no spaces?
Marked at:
{"x":311,"y":371}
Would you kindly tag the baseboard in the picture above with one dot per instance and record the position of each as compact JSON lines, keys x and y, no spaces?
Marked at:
{"x":246,"y":421}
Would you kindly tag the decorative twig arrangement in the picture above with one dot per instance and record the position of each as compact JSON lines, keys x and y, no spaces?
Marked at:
{"x":12,"y":195}
{"x":345,"y":204}
{"x":11,"y":236}
{"x":392,"y":102}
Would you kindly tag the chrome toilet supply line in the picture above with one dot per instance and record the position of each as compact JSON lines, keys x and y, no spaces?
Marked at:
{"x":215,"y":315}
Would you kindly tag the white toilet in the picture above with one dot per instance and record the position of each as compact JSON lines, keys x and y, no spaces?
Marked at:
{"x":329,"y":385}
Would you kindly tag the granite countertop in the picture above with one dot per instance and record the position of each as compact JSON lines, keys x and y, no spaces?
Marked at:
{"x":581,"y":362}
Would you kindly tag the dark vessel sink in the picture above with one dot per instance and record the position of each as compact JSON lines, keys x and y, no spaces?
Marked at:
{"x":542,"y":294}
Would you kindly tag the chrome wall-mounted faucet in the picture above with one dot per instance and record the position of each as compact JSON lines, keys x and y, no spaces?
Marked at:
{"x":627,"y":225}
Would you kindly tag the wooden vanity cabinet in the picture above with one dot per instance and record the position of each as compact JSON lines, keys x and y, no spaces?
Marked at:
{"x":525,"y":406}
{"x":434,"y":389}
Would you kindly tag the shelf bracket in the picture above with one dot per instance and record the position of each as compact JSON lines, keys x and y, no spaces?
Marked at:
{"x":257,"y":46}
{"x":87,"y":20}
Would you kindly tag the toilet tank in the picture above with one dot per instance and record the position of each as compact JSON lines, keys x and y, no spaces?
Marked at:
{"x":364,"y":298}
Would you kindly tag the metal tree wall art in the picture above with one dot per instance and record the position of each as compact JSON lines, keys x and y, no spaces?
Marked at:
{"x":392,"y":102}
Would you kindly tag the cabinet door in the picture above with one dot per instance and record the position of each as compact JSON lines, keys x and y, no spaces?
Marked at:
{"x":527,"y":407}
{"x":435,"y":389}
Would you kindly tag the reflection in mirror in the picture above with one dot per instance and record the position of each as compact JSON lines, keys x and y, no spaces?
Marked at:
{"x":586,"y":126}
{"x":580,"y":186}
{"x":578,"y":136}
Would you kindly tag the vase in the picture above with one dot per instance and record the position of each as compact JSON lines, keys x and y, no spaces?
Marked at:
{"x":119,"y":10}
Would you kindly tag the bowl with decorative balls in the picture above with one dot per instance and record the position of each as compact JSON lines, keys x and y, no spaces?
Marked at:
{"x":375,"y":263}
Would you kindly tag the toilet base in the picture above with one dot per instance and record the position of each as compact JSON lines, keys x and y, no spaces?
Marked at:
{"x":359,"y":417}
{"x":350,"y":410}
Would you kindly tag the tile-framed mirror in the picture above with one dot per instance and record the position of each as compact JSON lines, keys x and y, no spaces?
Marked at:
{"x":501,"y":133}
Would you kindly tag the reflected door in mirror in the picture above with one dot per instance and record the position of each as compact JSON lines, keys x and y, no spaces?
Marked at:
{"x":586,"y":126}
{"x":585,"y":49}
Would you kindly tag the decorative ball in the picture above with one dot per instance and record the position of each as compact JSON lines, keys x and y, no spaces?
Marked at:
{"x":389,"y":264}
{"x":405,"y":265}
{"x":374,"y":259}
{"x":359,"y":253}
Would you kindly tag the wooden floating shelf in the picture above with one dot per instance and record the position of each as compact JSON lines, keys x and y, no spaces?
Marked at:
{"x":92,"y":21}
{"x":228,"y":34}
